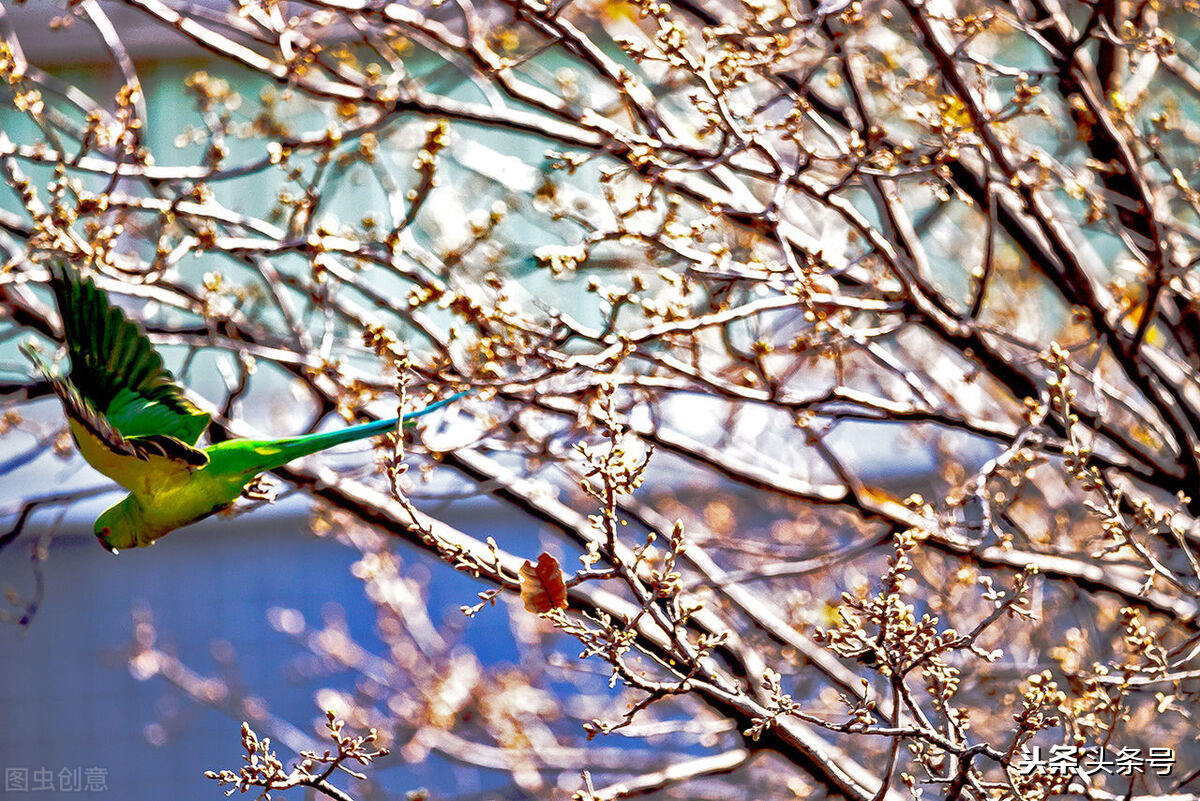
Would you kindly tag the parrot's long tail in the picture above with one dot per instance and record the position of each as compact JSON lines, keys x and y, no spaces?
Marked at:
{"x":285,"y":450}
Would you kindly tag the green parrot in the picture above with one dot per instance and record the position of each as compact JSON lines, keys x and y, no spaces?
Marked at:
{"x":133,"y":423}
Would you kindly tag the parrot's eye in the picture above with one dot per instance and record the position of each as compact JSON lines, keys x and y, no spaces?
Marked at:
{"x":104,"y":532}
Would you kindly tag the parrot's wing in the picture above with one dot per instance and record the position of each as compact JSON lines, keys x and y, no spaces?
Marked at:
{"x":138,"y":463}
{"x":116,"y":370}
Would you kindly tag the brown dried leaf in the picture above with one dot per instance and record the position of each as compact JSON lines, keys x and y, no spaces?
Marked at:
{"x":542,"y":585}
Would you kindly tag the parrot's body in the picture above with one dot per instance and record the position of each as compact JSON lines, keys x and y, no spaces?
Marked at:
{"x":134,"y":424}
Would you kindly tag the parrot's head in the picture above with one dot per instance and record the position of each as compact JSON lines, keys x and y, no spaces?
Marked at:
{"x":119,"y":526}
